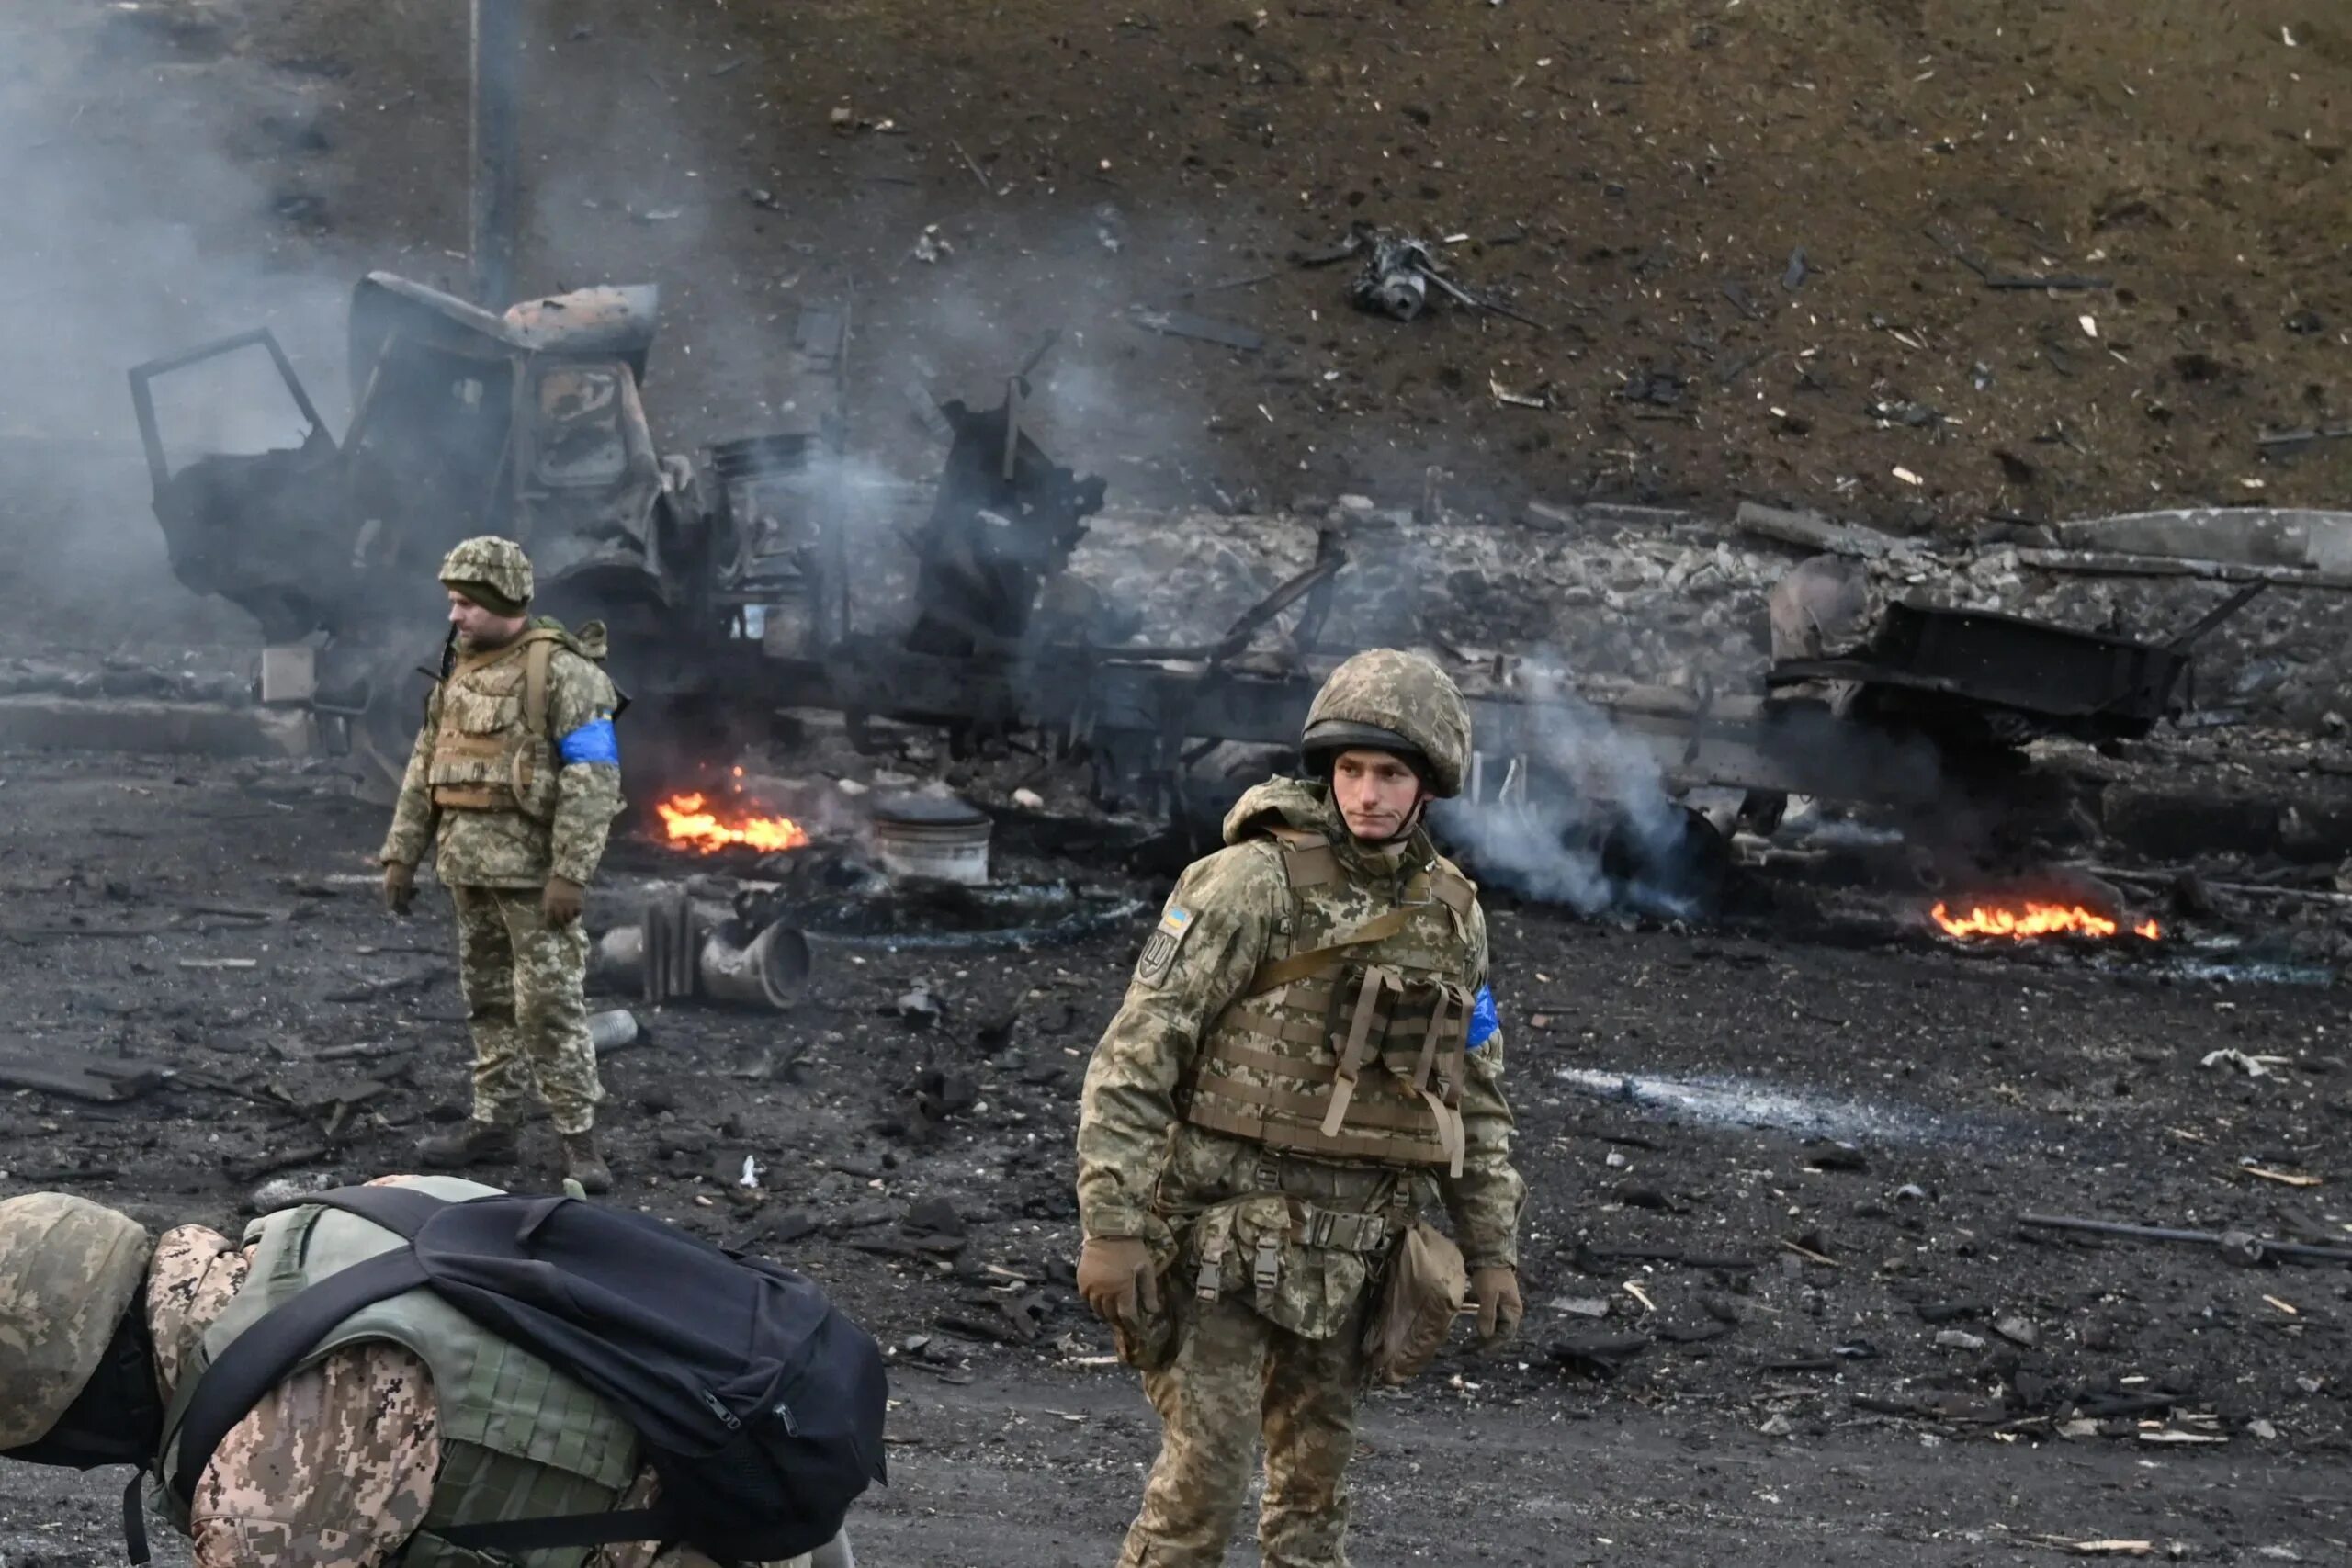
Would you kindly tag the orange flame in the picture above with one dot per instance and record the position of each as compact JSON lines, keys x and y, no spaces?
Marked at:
{"x":689,"y":823}
{"x":2035,"y":920}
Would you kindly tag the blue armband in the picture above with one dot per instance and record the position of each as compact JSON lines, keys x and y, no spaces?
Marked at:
{"x":592,"y":743}
{"x":1484,"y":1020}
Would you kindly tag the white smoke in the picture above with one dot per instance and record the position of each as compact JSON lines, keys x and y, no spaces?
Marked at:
{"x":1582,"y":820}
{"x":158,"y":185}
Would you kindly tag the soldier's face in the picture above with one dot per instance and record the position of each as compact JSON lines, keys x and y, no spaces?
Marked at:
{"x":1376,"y":794}
{"x":481,"y":628}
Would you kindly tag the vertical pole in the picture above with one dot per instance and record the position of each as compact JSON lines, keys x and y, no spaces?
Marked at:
{"x":497,"y":61}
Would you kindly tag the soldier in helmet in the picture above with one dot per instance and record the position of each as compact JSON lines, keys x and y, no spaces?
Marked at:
{"x":517,"y":773}
{"x":341,"y":1465}
{"x":1308,"y":1057}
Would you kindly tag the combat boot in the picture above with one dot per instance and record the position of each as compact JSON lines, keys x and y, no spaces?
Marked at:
{"x":476,"y":1142}
{"x":582,"y":1164}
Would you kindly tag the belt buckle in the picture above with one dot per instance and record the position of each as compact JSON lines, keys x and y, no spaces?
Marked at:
{"x":1266,"y":1266}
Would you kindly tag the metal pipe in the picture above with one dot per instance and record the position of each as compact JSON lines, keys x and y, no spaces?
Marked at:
{"x":497,"y":63}
{"x":2239,"y":1246}
{"x":768,"y":971}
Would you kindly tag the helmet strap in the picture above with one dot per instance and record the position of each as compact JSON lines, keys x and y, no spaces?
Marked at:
{"x":116,"y":1419}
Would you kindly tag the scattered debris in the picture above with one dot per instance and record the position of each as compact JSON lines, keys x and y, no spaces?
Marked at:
{"x":973,"y":165}
{"x":2252,"y":1066}
{"x":366,"y":1050}
{"x":1398,"y":272}
{"x":919,"y":1008}
{"x":2283,"y":1177}
{"x":2238,"y":1246}
{"x":614,"y":1029}
{"x":1206,"y":329}
{"x":102,"y":1080}
{"x":284,"y":1191}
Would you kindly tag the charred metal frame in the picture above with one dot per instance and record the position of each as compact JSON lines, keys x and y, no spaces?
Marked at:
{"x":1932,"y":697}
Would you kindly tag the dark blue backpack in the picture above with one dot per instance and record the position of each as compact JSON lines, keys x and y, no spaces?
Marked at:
{"x":757,"y":1404}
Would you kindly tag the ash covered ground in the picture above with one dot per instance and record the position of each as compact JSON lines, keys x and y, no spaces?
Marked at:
{"x":1778,"y":1297}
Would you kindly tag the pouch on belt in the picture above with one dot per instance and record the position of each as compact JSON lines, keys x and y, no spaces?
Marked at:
{"x":1426,"y":1287}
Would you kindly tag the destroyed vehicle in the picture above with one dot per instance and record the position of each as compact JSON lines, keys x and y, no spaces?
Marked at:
{"x":530,"y":423}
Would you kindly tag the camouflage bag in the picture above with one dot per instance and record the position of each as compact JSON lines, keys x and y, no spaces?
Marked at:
{"x":1426,"y":1287}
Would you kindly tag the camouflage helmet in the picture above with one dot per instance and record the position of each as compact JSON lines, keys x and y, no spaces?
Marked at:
{"x":1387,"y":700}
{"x":69,"y":1269}
{"x":487,"y":561}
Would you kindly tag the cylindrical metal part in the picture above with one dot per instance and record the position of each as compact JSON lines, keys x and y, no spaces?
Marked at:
{"x":935,"y":837}
{"x":613,"y":1030}
{"x":768,"y":973}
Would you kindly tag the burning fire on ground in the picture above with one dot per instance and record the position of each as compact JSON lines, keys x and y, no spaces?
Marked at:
{"x":688,"y":822}
{"x":2033,"y":920}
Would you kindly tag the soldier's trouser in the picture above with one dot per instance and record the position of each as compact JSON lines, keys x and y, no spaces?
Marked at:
{"x":1237,"y":1376}
{"x":523,"y":982}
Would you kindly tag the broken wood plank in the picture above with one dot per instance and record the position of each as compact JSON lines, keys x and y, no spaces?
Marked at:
{"x":97,"y":1079}
{"x":373,"y":990}
{"x":1811,"y":531}
{"x":361,"y":1050}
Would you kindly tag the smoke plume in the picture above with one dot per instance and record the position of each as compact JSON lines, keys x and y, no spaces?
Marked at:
{"x":1583,"y":819}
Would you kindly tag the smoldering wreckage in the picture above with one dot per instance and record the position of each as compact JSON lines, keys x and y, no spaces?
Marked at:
{"x":1973,"y":746}
{"x":930,"y":728}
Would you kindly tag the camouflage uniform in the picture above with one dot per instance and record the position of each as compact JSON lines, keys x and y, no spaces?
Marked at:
{"x":336,"y":1466}
{"x":1268,"y":1224}
{"x":511,"y":810}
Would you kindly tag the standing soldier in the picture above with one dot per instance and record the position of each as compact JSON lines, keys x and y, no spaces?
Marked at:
{"x":517,"y":769}
{"x":1307,"y":1056}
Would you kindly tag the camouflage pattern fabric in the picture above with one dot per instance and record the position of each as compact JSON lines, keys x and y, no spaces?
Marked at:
{"x":69,"y":1273}
{"x":509,"y":849}
{"x":1235,"y":902}
{"x":335,"y":1467}
{"x":523,"y":981}
{"x":495,"y":563}
{"x":1280,"y":1358}
{"x":1407,"y":695}
{"x":1234,"y":1374}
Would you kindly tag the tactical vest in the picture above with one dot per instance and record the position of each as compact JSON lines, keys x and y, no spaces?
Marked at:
{"x":519,"y":1440}
{"x":1352,"y":1045}
{"x":491,"y":751}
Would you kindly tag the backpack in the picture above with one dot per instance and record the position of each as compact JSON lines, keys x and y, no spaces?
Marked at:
{"x":758,"y":1405}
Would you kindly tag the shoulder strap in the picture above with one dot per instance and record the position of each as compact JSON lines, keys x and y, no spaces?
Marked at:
{"x":535,"y":659}
{"x":258,"y":1359}
{"x":400,"y":1209}
{"x":1316,"y":960}
{"x":518,"y":1536}
{"x":1308,"y":860}
{"x":1453,"y":889}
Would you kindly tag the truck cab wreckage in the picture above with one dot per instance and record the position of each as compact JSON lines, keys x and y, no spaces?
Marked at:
{"x":727,"y":589}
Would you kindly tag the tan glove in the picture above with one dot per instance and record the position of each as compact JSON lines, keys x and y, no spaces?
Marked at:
{"x":562,"y":901}
{"x":400,"y":886}
{"x":1115,"y":1276}
{"x":1496,"y":1290}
